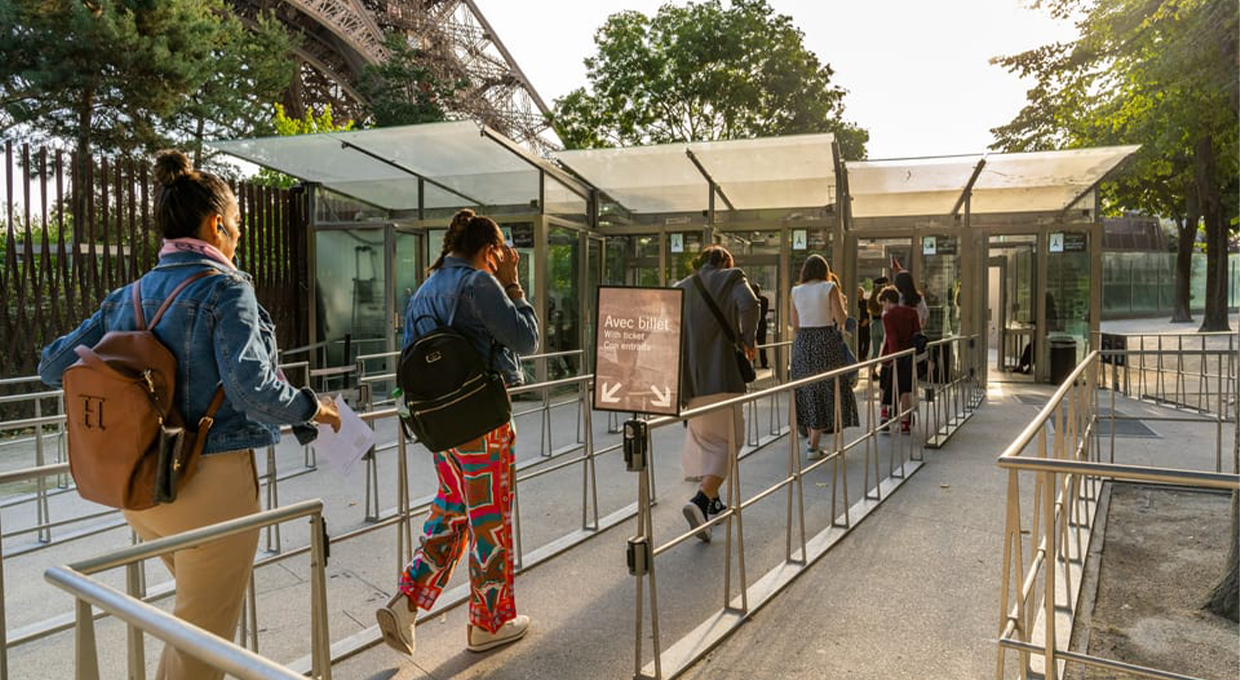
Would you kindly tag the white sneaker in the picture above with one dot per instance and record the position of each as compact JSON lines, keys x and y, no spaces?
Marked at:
{"x":396,"y":622}
{"x":480,"y":641}
{"x":815,"y":454}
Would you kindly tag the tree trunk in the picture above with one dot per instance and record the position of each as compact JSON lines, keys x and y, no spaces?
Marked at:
{"x":1186,"y":236}
{"x":1225,"y":598}
{"x":1206,"y":173}
{"x":198,"y":134}
{"x":86,"y":110}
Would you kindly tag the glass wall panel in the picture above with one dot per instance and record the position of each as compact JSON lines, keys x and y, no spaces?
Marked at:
{"x":817,"y":241}
{"x":940,"y":281}
{"x":680,"y":264}
{"x":564,"y":271}
{"x":351,"y":292}
{"x":1067,"y":293}
{"x":632,"y":260}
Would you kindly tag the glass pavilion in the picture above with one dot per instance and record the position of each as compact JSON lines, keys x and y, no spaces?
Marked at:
{"x":1007,"y":246}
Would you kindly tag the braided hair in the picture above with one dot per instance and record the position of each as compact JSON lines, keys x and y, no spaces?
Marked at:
{"x":467,"y":234}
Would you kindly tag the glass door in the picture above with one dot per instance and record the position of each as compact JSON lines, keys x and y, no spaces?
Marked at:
{"x":1012,"y":271}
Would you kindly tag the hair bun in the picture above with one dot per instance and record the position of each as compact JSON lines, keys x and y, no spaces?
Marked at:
{"x":171,"y":165}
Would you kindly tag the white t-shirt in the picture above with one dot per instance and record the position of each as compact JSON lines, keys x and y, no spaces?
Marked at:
{"x":813,"y":303}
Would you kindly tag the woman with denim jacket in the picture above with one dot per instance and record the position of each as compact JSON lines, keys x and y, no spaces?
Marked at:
{"x":473,"y":283}
{"x":221,"y":337}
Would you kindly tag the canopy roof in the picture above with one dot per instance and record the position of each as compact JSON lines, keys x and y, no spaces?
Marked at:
{"x":462,"y":164}
{"x":1040,"y":181}
{"x":752,"y":174}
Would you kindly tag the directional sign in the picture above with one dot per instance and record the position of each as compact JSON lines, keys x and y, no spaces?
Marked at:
{"x":676,"y":243}
{"x":800,"y":239}
{"x":637,"y":350}
{"x":1056,"y":242}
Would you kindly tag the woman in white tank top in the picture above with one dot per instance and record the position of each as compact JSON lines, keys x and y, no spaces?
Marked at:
{"x":818,"y":314}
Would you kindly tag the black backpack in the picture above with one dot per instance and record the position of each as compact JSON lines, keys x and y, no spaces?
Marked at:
{"x":450,"y":395}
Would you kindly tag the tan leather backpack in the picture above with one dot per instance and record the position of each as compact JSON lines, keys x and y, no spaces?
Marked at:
{"x":128,"y":444}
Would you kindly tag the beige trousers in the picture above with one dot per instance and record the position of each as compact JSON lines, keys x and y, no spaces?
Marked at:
{"x":211,"y":579}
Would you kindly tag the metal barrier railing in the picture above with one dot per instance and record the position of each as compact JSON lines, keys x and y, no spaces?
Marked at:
{"x":367,"y":402}
{"x":1040,"y":590}
{"x":1174,"y":369}
{"x":49,"y":432}
{"x":904,"y":458}
{"x":142,"y":617}
{"x":593,"y":521}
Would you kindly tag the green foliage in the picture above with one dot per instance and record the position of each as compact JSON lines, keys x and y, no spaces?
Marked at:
{"x":401,"y":91}
{"x":702,"y":72}
{"x":1159,"y":73}
{"x":287,"y":126}
{"x":131,"y":76}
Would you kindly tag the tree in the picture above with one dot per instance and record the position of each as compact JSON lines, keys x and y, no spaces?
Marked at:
{"x":1161,"y":73}
{"x":703,"y":72}
{"x":132,"y":75}
{"x":401,"y":90}
{"x":250,"y":68}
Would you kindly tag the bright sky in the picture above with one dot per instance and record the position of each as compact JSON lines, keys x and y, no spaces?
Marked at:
{"x":917,"y":71}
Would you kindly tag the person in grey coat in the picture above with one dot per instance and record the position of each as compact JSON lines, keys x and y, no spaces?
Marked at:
{"x":709,"y":374}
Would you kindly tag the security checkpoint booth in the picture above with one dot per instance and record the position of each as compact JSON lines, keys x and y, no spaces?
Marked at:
{"x":381,"y":201}
{"x":1007,"y":247}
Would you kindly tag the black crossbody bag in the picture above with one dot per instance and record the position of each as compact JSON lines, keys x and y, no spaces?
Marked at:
{"x":748,"y":374}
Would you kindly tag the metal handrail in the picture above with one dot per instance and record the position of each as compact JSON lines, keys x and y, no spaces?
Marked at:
{"x":1070,"y":476}
{"x":207,"y":647}
{"x":186,"y":637}
{"x":800,"y":551}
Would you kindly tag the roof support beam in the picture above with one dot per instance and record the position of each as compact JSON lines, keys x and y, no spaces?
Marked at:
{"x":582,"y":190}
{"x":968,"y":187}
{"x":420,"y":176}
{"x":710,"y":180}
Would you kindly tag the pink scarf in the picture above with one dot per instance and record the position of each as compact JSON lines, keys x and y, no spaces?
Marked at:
{"x":196,"y":246}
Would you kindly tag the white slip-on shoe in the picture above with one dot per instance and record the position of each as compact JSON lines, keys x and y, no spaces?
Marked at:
{"x":480,"y":641}
{"x":396,"y":622}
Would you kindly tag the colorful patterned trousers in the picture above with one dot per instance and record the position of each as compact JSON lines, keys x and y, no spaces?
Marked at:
{"x":474,"y":508}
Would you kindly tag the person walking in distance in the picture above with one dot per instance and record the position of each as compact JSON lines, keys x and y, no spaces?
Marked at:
{"x":710,"y":374}
{"x":226,"y":369}
{"x":818,"y":317}
{"x":473,"y":286}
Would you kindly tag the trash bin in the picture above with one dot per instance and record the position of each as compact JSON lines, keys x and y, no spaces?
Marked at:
{"x":1063,"y":358}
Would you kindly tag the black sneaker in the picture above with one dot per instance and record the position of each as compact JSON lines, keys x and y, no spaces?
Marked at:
{"x":696,"y":512}
{"x":716,"y":507}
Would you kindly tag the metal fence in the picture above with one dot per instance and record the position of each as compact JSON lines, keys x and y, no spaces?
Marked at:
{"x":593,"y":520}
{"x":75,"y":229}
{"x":143,"y":618}
{"x":1048,"y":528}
{"x":742,"y":596}
{"x":954,"y":398}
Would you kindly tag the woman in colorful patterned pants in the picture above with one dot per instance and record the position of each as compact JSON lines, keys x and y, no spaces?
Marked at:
{"x":473,"y":288}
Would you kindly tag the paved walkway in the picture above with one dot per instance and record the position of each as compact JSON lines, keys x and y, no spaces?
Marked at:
{"x":912,"y":592}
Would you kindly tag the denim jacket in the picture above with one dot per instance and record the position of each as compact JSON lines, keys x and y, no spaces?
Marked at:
{"x":219,"y":334}
{"x":485,"y":314}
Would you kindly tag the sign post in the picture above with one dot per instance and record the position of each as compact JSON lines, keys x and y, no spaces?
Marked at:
{"x":637,"y":350}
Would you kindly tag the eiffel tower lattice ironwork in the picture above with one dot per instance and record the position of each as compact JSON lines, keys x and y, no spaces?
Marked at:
{"x":340,"y":37}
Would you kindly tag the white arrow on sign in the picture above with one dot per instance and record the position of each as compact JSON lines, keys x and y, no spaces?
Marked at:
{"x":662,"y":399}
{"x":609,"y":394}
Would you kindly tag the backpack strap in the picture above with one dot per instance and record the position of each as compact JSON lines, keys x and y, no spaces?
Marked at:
{"x":714,"y":309}
{"x":452,"y":314}
{"x":208,"y":418}
{"x":171,"y":296}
